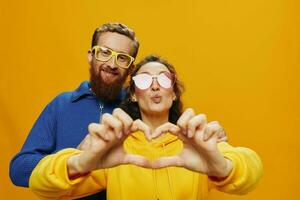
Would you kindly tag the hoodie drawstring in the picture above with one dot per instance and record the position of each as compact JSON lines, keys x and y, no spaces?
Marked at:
{"x":155,"y":184}
{"x":155,"y":180}
{"x":169,"y":176}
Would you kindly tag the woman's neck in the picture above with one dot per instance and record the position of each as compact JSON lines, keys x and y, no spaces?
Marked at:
{"x":154,"y":120}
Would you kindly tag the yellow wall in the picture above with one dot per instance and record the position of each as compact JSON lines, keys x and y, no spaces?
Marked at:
{"x":239,"y":61}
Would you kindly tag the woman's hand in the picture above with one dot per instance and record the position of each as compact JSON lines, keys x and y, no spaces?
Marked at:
{"x":200,"y":152}
{"x":103,"y":146}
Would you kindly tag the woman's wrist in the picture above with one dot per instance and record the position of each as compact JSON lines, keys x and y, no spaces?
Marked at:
{"x":224,"y":171}
{"x":73,"y":167}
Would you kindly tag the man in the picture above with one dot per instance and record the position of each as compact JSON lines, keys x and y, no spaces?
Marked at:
{"x":64,"y":122}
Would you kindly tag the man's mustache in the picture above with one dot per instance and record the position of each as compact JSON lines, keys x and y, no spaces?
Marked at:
{"x":114,"y":71}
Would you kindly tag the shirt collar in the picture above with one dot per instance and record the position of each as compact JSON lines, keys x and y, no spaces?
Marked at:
{"x":83,"y":89}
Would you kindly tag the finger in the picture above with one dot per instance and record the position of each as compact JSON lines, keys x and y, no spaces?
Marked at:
{"x":220,"y":132}
{"x":98,"y":130}
{"x":223,"y":139}
{"x":125,"y":120}
{"x":165,"y":128}
{"x":198,"y":122}
{"x":222,"y":136}
{"x":140,"y":125}
{"x":211,"y":129}
{"x":183,"y":120}
{"x":137,"y":160}
{"x":84,"y":143}
{"x":112,"y":123}
{"x":168,"y":161}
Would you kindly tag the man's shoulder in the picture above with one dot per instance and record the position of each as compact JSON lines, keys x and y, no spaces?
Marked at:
{"x":71,"y":96}
{"x":63,"y":97}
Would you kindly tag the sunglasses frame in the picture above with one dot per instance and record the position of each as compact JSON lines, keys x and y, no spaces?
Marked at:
{"x":169,"y":75}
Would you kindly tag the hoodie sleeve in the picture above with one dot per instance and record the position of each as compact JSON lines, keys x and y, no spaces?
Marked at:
{"x":49,"y":179}
{"x":246,"y":173}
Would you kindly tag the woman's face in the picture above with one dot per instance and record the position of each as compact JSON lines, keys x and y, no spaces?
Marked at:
{"x":158,"y":98}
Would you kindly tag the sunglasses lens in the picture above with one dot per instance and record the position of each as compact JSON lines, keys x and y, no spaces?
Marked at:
{"x":164,"y":81}
{"x":142,"y":81}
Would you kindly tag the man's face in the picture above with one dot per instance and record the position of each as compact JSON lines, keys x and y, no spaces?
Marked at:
{"x":106,"y":77}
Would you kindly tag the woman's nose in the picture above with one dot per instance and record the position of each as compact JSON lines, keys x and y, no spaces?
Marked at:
{"x":155,"y":86}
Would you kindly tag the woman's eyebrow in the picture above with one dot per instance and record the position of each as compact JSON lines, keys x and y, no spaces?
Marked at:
{"x":151,"y":74}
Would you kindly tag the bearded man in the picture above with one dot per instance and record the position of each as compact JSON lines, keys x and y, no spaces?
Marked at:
{"x":64,"y":121}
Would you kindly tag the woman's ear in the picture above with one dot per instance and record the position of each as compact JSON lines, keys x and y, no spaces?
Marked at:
{"x":133,"y":98}
{"x":174,"y":96}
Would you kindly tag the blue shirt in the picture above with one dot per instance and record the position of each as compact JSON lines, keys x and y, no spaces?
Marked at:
{"x":62,"y":124}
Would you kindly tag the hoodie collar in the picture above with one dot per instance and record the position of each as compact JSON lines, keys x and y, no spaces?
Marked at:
{"x":161,"y":141}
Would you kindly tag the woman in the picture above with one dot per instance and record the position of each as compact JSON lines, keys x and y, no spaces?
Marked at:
{"x":144,"y":155}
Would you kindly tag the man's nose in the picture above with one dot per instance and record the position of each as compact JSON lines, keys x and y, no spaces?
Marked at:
{"x":112,"y":62}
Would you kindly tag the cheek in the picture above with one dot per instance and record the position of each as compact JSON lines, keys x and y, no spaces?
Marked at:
{"x":93,"y":69}
{"x":168,"y":93}
{"x":143,"y":97}
{"x":140,"y":94}
{"x":168,"y":96}
{"x":95,"y":66}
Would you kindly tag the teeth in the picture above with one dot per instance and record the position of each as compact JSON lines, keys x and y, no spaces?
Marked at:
{"x":107,"y":72}
{"x":110,"y":72}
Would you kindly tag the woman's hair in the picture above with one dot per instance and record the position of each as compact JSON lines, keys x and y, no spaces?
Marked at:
{"x":132,"y":108}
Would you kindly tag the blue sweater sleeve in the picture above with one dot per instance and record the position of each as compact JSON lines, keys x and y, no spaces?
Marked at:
{"x":39,"y":143}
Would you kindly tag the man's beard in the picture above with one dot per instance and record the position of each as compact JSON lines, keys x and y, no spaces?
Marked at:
{"x":103,"y":90}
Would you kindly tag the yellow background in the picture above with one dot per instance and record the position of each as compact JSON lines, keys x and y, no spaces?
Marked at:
{"x":239,"y":61}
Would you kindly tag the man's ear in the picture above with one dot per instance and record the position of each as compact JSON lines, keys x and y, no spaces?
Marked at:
{"x":90,"y":57}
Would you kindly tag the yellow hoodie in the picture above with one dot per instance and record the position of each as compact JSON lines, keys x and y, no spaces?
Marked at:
{"x":49,"y":179}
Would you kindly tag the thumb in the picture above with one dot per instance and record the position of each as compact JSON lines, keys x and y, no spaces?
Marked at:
{"x":168,"y":161}
{"x":137,"y":160}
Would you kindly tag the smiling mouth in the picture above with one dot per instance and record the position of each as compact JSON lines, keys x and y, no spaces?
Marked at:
{"x":108,"y":74}
{"x":109,"y":71}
